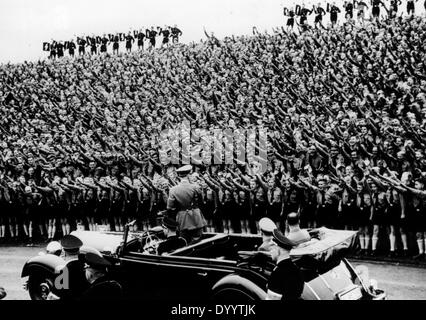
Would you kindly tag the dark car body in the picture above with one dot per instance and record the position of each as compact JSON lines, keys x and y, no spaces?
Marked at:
{"x":219,"y":267}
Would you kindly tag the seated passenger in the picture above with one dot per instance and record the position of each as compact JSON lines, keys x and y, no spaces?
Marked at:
{"x":266,"y":226}
{"x":101,"y":286}
{"x":286,"y":280}
{"x":296,"y":234}
{"x":173,"y":241}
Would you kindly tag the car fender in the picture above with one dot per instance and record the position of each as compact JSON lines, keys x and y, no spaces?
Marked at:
{"x":238,"y":281}
{"x":47,"y":262}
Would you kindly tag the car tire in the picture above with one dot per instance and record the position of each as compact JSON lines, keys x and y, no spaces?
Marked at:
{"x":39,"y":286}
{"x":231,"y":294}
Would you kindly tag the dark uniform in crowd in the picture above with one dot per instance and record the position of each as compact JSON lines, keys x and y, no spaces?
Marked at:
{"x":334,"y":10}
{"x":104,"y":44}
{"x":151,"y":35}
{"x":116,"y":44}
{"x":184,"y":203}
{"x":410,"y":7}
{"x":129,"y":42}
{"x":393,"y":8}
{"x":60,"y":49}
{"x":176,"y":33}
{"x":166,"y":34}
{"x":71,"y":48}
{"x":141,"y":37}
{"x":303,"y":13}
{"x":320,"y":12}
{"x":53,"y":51}
{"x":93,"y":45}
{"x":376,"y":8}
{"x":81,"y":42}
{"x":349,"y":10}
{"x":290,"y":13}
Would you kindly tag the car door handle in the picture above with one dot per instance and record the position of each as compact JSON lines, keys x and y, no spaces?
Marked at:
{"x":202,"y":274}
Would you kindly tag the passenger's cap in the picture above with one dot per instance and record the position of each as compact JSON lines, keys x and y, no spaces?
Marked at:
{"x":267,"y":225}
{"x":53,"y":246}
{"x":282,"y":241}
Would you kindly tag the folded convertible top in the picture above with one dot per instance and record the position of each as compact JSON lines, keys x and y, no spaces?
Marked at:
{"x":324,"y":240}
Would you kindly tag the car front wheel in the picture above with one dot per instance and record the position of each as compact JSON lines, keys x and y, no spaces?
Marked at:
{"x":40,"y":286}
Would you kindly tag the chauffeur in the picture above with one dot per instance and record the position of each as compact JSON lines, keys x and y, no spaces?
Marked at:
{"x":101,"y":286}
{"x":173,"y":241}
{"x":71,"y":246}
{"x":183,"y":203}
{"x":74,"y":267}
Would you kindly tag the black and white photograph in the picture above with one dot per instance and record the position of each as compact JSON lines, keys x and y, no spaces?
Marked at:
{"x":212,"y":154}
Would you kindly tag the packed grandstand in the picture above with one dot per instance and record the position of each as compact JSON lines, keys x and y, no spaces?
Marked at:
{"x":344,"y":109}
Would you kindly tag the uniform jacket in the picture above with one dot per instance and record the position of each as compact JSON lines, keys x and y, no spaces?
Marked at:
{"x":184,"y":201}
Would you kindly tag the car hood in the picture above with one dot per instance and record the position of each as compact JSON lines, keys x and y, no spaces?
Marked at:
{"x":102,"y":241}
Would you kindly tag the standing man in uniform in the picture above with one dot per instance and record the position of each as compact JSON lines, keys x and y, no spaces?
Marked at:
{"x":141,"y":36}
{"x":184,"y":204}
{"x":151,"y":35}
{"x":286,"y":280}
{"x":104,"y":44}
{"x":349,"y":10}
{"x":334,"y":10}
{"x":60,"y":49}
{"x":129,"y":42}
{"x":81,"y":42}
{"x":71,"y":48}
{"x":166,"y":34}
{"x":176,"y":33}
{"x":393,"y":8}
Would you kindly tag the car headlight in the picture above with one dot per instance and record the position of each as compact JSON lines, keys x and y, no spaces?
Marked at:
{"x":363,"y":275}
{"x":374,"y":285}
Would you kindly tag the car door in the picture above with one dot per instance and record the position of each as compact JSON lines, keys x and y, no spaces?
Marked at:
{"x":189,"y":278}
{"x":169,"y":277}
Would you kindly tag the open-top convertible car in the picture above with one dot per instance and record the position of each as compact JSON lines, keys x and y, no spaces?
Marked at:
{"x":219,"y":267}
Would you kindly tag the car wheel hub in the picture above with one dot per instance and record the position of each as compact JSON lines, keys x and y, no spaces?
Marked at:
{"x":44,"y":290}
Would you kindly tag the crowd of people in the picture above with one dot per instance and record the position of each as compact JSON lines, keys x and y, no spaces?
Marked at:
{"x":344,"y":109}
{"x":355,"y":9}
{"x":100,"y":45}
